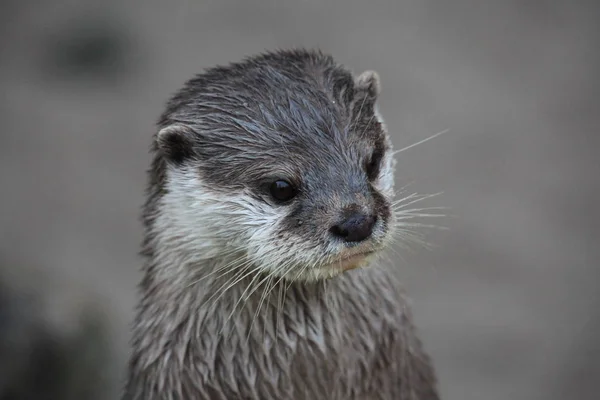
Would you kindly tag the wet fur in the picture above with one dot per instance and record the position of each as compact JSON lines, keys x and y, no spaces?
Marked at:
{"x":234,"y":301}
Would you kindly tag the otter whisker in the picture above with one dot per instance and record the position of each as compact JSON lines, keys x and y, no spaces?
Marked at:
{"x":402,"y":233}
{"x":401,"y":229}
{"x":279,"y":306}
{"x":223,"y":270}
{"x":401,"y":209}
{"x":420,"y":225}
{"x":416,"y":200}
{"x":325,"y":297}
{"x":240,"y":275}
{"x":279,"y":310}
{"x":403,"y":188}
{"x":300,"y":272}
{"x":411,"y":237}
{"x":268,"y":280}
{"x":257,"y":274}
{"x":245,"y":269}
{"x":420,"y":141}
{"x":271,"y":276}
{"x":406,"y":198}
{"x":404,"y":217}
{"x":285,"y":287}
{"x":398,"y":254}
{"x":401,"y":213}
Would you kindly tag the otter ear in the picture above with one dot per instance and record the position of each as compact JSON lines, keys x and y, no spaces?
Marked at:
{"x":175,"y":142}
{"x":368,"y":84}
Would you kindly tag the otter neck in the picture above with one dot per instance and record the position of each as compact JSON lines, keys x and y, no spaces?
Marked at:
{"x":200,"y":339}
{"x":213,"y":294}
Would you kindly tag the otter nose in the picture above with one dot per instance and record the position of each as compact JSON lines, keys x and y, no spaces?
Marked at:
{"x":355,"y":228}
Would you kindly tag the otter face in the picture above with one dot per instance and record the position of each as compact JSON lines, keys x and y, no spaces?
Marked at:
{"x":282,"y":159}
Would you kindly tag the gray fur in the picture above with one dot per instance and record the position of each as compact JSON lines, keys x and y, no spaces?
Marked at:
{"x":242,"y":298}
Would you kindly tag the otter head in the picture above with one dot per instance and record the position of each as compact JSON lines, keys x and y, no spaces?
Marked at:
{"x":281,"y":162}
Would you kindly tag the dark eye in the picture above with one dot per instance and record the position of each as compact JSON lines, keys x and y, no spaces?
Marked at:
{"x":373,"y":164}
{"x":282,"y":191}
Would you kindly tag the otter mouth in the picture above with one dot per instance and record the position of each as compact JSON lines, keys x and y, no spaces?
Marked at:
{"x":350,"y":262}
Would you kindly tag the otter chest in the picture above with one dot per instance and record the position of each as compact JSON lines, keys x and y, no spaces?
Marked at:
{"x":323,"y":347}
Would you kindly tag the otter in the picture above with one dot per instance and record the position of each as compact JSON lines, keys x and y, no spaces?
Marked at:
{"x":269,"y":203}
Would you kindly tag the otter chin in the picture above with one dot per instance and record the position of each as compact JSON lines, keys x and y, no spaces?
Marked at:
{"x":268,"y":176}
{"x":350,"y":262}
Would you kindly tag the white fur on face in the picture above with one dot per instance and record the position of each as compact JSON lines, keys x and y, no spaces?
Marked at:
{"x":385,"y":181}
{"x":196,"y":224}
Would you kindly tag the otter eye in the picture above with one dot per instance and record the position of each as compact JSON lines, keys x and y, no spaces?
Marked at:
{"x":373,"y":164}
{"x":282,"y":190}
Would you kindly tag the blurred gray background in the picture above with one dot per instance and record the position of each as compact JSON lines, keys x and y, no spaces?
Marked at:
{"x":507,"y":301}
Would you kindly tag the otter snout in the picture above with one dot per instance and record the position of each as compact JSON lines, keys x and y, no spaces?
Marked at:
{"x":354,"y":226}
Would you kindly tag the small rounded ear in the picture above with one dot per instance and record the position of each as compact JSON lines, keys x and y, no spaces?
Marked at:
{"x":175,"y":143}
{"x":369,"y":83}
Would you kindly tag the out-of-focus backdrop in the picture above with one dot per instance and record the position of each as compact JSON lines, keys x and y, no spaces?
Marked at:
{"x":507,"y":301}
